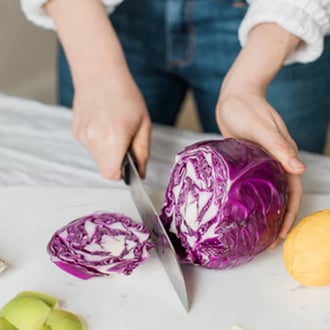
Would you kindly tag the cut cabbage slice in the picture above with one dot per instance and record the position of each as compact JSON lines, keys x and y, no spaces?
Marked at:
{"x":100,"y":244}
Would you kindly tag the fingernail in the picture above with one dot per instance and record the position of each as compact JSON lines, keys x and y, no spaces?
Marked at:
{"x":296,"y":164}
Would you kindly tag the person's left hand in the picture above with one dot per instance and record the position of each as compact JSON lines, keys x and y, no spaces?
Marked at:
{"x":248,"y":115}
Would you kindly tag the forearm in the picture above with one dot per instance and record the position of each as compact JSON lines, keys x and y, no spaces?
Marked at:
{"x":266,"y":49}
{"x":88,"y":38}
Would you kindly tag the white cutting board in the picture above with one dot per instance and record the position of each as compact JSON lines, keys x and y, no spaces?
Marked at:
{"x":257,"y":296}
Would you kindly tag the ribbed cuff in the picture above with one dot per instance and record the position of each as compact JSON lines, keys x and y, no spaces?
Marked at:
{"x":111,"y":4}
{"x":35,"y":12}
{"x":305,"y":19}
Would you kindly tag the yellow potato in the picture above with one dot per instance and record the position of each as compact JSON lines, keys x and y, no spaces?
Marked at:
{"x":306,"y":250}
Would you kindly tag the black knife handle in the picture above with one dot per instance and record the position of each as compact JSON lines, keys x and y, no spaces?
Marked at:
{"x":125,"y":171}
{"x":125,"y":168}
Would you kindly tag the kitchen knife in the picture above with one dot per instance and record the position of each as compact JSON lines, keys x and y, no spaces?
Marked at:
{"x":158,"y":234}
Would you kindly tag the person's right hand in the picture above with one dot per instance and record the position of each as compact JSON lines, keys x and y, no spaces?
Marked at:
{"x":109,"y":115}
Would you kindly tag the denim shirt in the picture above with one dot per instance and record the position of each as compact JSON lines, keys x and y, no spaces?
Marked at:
{"x":309,"y":20}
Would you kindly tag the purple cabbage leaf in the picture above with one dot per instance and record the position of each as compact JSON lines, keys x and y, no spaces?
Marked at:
{"x":100,"y":244}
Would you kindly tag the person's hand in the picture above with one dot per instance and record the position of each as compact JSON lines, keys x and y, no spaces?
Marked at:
{"x":246,"y":114}
{"x":243,"y":111}
{"x":109,"y":115}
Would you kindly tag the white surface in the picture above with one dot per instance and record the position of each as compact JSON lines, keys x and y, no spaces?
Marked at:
{"x":38,"y":151}
{"x":37,"y":148}
{"x":257,"y":296}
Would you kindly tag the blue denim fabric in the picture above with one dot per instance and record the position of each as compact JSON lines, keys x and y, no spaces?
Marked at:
{"x":175,"y":45}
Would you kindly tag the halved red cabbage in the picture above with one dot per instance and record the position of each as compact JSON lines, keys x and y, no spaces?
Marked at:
{"x":224,"y":203}
{"x":100,"y":244}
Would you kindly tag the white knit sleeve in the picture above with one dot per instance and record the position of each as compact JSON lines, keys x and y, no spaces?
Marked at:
{"x":34,"y":11}
{"x":307,"y":19}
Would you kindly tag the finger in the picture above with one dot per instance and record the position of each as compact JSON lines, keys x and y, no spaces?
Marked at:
{"x":275,"y":243}
{"x":283,"y":150}
{"x":109,"y":154}
{"x":141,"y":145}
{"x":295,"y":196}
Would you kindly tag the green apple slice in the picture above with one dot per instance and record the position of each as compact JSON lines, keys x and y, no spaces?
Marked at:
{"x":63,"y":320}
{"x":49,"y":300}
{"x":4,"y":325}
{"x":45,"y":327}
{"x":26,"y":313}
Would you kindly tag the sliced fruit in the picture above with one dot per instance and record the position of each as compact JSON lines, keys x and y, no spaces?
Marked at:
{"x":63,"y":320}
{"x":49,"y":300}
{"x":26,"y":313}
{"x":45,"y":327}
{"x":4,"y":325}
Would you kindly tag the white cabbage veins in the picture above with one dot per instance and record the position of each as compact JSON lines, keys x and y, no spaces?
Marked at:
{"x":100,"y":244}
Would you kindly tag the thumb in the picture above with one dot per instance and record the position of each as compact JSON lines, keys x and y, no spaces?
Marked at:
{"x":283,"y":149}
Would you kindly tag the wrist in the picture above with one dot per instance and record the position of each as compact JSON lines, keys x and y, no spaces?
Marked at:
{"x":103,"y":73}
{"x":266,"y":49}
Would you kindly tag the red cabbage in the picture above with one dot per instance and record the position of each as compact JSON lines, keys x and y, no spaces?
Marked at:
{"x":100,"y":244}
{"x":224,"y":203}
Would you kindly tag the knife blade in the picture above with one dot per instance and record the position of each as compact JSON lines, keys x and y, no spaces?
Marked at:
{"x":163,"y":245}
